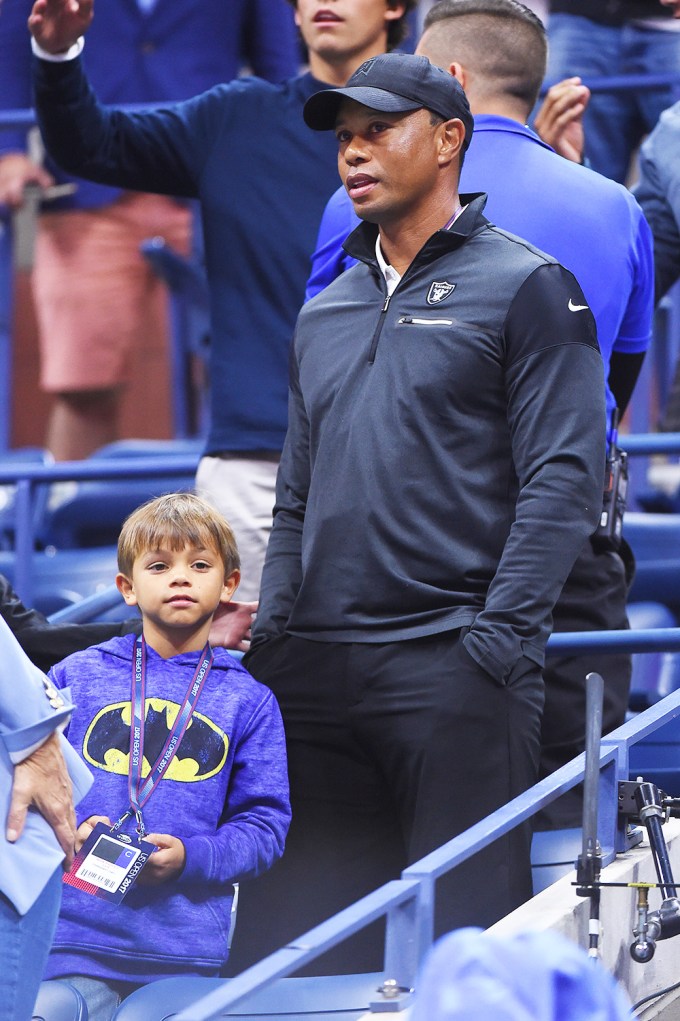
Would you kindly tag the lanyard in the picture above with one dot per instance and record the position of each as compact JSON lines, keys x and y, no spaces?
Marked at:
{"x":140,"y":790}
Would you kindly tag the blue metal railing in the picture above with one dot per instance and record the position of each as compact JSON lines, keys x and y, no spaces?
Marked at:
{"x":28,"y":477}
{"x":624,"y":83}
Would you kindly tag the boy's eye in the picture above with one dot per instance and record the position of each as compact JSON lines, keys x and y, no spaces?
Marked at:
{"x":158,"y":565}
{"x":202,"y":565}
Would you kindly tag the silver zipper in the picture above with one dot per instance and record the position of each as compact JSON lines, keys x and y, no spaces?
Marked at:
{"x":413,"y":321}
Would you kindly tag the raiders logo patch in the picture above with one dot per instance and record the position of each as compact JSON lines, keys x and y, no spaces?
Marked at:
{"x":439,"y":290}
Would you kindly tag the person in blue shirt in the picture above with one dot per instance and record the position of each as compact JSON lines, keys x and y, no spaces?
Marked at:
{"x":217,"y":808}
{"x":594,"y":227}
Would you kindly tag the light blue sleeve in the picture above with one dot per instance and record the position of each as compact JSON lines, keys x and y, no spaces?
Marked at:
{"x":31,"y":708}
{"x":658,"y":192}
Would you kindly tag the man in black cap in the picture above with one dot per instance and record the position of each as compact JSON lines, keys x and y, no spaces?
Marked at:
{"x":438,"y":479}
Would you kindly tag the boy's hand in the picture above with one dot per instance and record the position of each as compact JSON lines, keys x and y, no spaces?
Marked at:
{"x":166,"y":863}
{"x":57,"y":24}
{"x":85,"y":828}
{"x":559,"y":122}
{"x":231,"y":625}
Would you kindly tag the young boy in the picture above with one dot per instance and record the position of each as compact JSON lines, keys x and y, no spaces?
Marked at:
{"x":219,"y":812}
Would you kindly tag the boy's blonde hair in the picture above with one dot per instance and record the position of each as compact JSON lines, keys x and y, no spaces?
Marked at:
{"x":176,"y":520}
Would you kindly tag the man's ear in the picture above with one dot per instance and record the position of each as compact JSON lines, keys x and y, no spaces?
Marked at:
{"x":458,"y":72}
{"x":126,"y":589}
{"x":452,"y":138}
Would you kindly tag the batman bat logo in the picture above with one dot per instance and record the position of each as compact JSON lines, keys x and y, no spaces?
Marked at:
{"x":201,"y":754}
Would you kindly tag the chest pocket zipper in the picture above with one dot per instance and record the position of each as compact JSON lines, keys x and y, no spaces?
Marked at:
{"x":413,"y":321}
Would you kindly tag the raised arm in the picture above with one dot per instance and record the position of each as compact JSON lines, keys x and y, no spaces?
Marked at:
{"x":162,"y":149}
{"x":56,"y":25}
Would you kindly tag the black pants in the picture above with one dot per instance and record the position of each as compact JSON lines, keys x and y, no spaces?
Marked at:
{"x":392,"y":749}
{"x":593,"y":599}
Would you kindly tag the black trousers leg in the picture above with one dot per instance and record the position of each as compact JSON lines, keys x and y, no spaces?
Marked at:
{"x":344,"y":839}
{"x":393,"y":749}
{"x":483,"y":751}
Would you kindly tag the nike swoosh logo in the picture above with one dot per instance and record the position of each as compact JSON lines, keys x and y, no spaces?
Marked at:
{"x":575,"y":308}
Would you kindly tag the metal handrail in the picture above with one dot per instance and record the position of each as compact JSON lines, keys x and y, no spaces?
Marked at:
{"x":410,"y":932}
{"x":29,"y":476}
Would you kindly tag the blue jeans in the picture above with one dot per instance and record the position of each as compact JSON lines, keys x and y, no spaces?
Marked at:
{"x":102,"y":996}
{"x":615,"y":122}
{"x":25,"y":942}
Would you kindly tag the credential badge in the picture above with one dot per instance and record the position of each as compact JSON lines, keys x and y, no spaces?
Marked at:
{"x":439,"y":290}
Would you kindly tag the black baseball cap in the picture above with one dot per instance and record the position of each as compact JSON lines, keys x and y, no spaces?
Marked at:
{"x":394,"y":83}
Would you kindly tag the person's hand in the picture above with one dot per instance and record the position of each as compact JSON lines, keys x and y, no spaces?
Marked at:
{"x":57,"y":24}
{"x":16,"y":171}
{"x":42,"y":780}
{"x":86,"y":827}
{"x":559,"y":122}
{"x":675,"y":4}
{"x":231,"y":625}
{"x":166,"y":863}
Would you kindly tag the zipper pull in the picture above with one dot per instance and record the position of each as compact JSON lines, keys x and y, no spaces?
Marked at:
{"x":387,"y":303}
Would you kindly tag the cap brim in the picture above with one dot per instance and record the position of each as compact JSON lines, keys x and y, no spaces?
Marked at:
{"x":321,"y":109}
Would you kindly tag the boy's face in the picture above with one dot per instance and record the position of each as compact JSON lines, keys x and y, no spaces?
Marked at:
{"x":177,"y":590}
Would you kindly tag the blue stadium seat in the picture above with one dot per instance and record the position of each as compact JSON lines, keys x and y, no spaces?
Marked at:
{"x":553,"y":853}
{"x":59,"y":1001}
{"x":332,"y":997}
{"x":107,"y":605}
{"x":655,"y":541}
{"x":92,"y":513}
{"x":655,"y":674}
{"x":61,"y":578}
{"x":656,"y":758}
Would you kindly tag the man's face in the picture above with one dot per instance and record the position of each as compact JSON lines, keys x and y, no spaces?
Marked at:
{"x":337,"y":29}
{"x":388,"y":162}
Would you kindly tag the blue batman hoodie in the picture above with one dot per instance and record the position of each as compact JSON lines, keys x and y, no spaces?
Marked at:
{"x":225,"y":796}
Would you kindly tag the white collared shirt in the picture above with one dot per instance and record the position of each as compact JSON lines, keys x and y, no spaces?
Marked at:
{"x":390,"y":274}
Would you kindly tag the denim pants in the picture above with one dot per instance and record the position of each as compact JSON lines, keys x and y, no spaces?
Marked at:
{"x":102,"y":996}
{"x":25,"y":942}
{"x":615,"y":122}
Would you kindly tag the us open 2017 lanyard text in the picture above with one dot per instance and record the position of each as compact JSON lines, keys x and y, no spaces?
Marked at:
{"x":139,"y":790}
